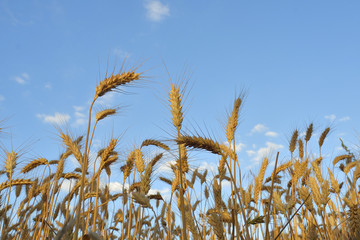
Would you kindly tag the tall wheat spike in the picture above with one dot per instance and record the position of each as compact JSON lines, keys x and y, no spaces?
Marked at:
{"x":233,"y":120}
{"x":322,"y":138}
{"x":10,"y":163}
{"x":293,"y":141}
{"x":259,"y":179}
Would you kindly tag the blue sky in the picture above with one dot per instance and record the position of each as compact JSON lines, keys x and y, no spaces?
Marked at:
{"x":298,"y":62}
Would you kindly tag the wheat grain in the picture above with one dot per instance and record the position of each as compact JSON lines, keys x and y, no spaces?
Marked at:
{"x":10,"y":163}
{"x":293,"y":141}
{"x":139,"y":161}
{"x":315,"y":191}
{"x":309,"y":131}
{"x":217,"y":194}
{"x":333,"y":181}
{"x":141,"y":199}
{"x":156,"y":143}
{"x":233,"y":120}
{"x":145,"y":179}
{"x":340,"y":157}
{"x":35,"y":163}
{"x":259,"y":179}
{"x":283,"y":167}
{"x":114,"y":81}
{"x":317,"y":172}
{"x":323,"y":136}
{"x":73,"y":147}
{"x":175,"y":99}
{"x":15,"y":182}
{"x":72,"y":176}
{"x":349,"y":167}
{"x":109,"y":150}
{"x":104,"y":113}
{"x":301,"y":148}
{"x":200,"y":142}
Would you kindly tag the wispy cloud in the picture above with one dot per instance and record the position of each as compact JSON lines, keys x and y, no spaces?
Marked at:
{"x":156,"y":11}
{"x":271,"y":134}
{"x":80,"y":118}
{"x":22,"y":78}
{"x":209,"y":166}
{"x":117,"y":186}
{"x":344,"y":119}
{"x":165,"y":167}
{"x":67,"y":185}
{"x":48,"y":86}
{"x":2,"y":98}
{"x":264,"y":151}
{"x":57,"y":118}
{"x":161,"y":191}
{"x":258,"y":128}
{"x":107,"y":100}
{"x":238,"y":147}
{"x":14,"y":19}
{"x":330,"y":117}
{"x":118,"y":52}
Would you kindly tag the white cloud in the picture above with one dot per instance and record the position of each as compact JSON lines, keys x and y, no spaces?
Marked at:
{"x":344,"y":119}
{"x":14,"y":18}
{"x":2,"y":98}
{"x":339,"y":149}
{"x":79,"y":115}
{"x":251,"y":153}
{"x":79,"y":122}
{"x":209,"y":166}
{"x":80,"y":118}
{"x":165,"y":193}
{"x":225,"y":184}
{"x":302,"y":134}
{"x":258,"y":128}
{"x":67,"y":185}
{"x":107,"y":99}
{"x":264,"y":151}
{"x":22,"y":79}
{"x":117,"y":186}
{"x":120,"y":53}
{"x":271,"y":134}
{"x":78,"y":108}
{"x":48,"y":86}
{"x":239,"y":147}
{"x":165,"y":167}
{"x":57,"y":118}
{"x":330,"y":117}
{"x":162,"y":191}
{"x":156,"y":11}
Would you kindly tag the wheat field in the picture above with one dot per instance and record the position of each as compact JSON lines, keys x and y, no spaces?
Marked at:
{"x":299,"y":198}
